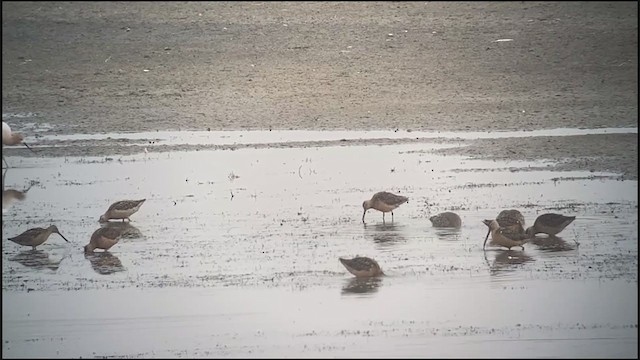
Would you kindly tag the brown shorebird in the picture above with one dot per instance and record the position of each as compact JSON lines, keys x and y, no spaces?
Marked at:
{"x":362,"y":266}
{"x":511,"y":220}
{"x":385,"y":202}
{"x":121,"y":210}
{"x":446,"y":219}
{"x":550,"y":224}
{"x":36,"y":236}
{"x":103,"y":238}
{"x":9,"y":138}
{"x":505,"y":236}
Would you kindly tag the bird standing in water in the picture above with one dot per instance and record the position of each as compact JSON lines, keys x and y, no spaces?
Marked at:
{"x":121,"y":210}
{"x":385,"y":202}
{"x":36,"y":236}
{"x":361,"y":266}
{"x":550,"y":224}
{"x":103,"y":238}
{"x":505,"y":236}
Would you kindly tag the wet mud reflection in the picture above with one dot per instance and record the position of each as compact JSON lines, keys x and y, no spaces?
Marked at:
{"x":385,"y":234}
{"x":506,"y":261}
{"x":362,"y":285}
{"x":38,"y":259}
{"x":553,"y":243}
{"x":104,"y":262}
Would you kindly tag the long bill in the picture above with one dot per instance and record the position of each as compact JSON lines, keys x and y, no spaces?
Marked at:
{"x":65,"y":239}
{"x":363,"y":214}
{"x":485,"y":239}
{"x":33,"y":151}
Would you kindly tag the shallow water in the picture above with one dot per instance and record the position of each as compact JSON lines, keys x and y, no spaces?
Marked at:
{"x":238,"y":249}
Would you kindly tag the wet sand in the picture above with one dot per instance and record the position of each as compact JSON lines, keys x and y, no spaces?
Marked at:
{"x":266,"y":125}
{"x":239,"y":257}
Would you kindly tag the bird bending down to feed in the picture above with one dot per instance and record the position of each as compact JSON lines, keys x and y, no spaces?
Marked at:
{"x":362,"y":266}
{"x":9,"y":138}
{"x":550,"y":224}
{"x":103,"y":238}
{"x":36,"y":236}
{"x":505,"y":236}
{"x":512,"y":220}
{"x":385,"y":202}
{"x":446,"y":219}
{"x":121,"y":210}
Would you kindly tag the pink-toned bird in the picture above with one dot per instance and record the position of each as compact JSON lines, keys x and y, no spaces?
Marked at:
{"x":9,"y":138}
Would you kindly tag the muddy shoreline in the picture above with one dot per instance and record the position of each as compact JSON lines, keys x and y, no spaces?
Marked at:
{"x":83,"y":68}
{"x":235,"y":250}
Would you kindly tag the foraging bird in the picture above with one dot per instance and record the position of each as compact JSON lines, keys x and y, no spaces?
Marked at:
{"x":121,"y":210}
{"x":362,"y":266}
{"x":385,"y":202}
{"x":446,"y":219}
{"x":36,"y":236}
{"x":511,"y":220}
{"x":103,"y":238}
{"x":550,"y":224}
{"x":9,"y":138}
{"x":505,"y":236}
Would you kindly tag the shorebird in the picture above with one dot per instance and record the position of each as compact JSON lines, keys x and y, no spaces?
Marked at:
{"x":550,"y":224}
{"x":385,"y":202}
{"x":507,"y":237}
{"x":446,"y":219}
{"x":36,"y":236}
{"x":9,"y":138}
{"x":362,"y":266}
{"x":512,"y":220}
{"x":121,"y":210}
{"x":103,"y":238}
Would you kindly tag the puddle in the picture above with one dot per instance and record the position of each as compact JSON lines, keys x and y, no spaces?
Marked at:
{"x":258,"y":232}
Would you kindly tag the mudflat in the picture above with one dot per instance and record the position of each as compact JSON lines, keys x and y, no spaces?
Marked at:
{"x":256,"y":129}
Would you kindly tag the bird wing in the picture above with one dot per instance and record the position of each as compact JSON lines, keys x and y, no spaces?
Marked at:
{"x":389,"y":198}
{"x":108,"y":232}
{"x":554,"y":219}
{"x":28,"y":234}
{"x":125,"y":204}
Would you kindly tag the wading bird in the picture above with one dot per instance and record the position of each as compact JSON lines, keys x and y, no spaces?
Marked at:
{"x":36,"y":236}
{"x":507,"y":237}
{"x":385,"y":202}
{"x":103,"y":238}
{"x":362,"y":266}
{"x":446,"y":219}
{"x":121,"y":210}
{"x":550,"y":224}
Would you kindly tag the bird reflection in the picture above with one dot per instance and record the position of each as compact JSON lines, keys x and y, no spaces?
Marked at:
{"x":104,"y":262}
{"x":127,"y":230}
{"x":37,"y":259}
{"x":448,"y":234}
{"x":507,"y":261}
{"x":385,"y":234}
{"x":552,"y":243}
{"x":362,"y":285}
{"x":9,"y":196}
